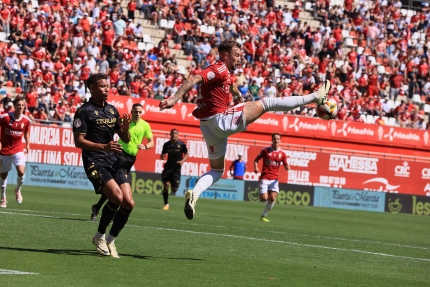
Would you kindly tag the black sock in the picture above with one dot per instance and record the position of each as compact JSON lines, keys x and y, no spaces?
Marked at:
{"x":166,"y":197}
{"x":108,"y":213}
{"x":102,"y":200}
{"x":119,"y":222}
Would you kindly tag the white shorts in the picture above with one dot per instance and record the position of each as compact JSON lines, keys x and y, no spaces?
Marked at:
{"x":217,"y":129}
{"x":267,"y":184}
{"x":6,"y":161}
{"x":78,"y":42}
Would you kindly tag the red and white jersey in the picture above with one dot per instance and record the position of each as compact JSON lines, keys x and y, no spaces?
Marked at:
{"x":12,"y":131}
{"x":272,"y":159}
{"x":214,"y":93}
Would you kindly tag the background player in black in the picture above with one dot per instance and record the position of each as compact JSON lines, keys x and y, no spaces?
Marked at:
{"x":94,"y":126}
{"x":177,"y":154}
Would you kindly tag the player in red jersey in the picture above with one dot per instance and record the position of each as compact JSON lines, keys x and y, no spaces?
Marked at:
{"x":218,"y":121}
{"x":272,"y":157}
{"x":14,"y":126}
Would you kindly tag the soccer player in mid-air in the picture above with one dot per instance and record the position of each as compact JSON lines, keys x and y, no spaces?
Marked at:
{"x":14,"y":126}
{"x":218,"y":121}
{"x":138,"y":130}
{"x":94,"y":126}
{"x":272,"y":157}
{"x":177,"y":153}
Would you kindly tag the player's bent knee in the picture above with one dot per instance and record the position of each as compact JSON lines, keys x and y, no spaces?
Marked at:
{"x":128,"y":204}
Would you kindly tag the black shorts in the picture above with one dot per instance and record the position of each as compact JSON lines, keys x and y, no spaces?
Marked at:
{"x":124,"y":161}
{"x":100,"y":175}
{"x":172,"y":175}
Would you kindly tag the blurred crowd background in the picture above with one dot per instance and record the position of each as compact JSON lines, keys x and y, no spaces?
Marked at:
{"x":375,"y":53}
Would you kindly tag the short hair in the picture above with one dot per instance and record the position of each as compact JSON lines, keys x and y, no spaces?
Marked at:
{"x":17,"y":99}
{"x":94,"y":78}
{"x":276,"y":134}
{"x":136,"y":105}
{"x":227,"y":45}
{"x":172,"y":130}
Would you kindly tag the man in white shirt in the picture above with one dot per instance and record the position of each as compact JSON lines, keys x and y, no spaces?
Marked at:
{"x":270,"y":90}
{"x":119,"y":27}
{"x":138,"y":31}
{"x":93,"y":49}
{"x":287,"y":17}
{"x":91,"y":63}
{"x":28,"y":61}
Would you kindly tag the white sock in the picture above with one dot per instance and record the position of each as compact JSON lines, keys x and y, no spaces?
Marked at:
{"x":19,"y":181}
{"x":110,"y":239}
{"x":269,"y":206}
{"x":98,"y":235}
{"x":206,"y":181}
{"x":286,"y":104}
{"x":3,"y":183}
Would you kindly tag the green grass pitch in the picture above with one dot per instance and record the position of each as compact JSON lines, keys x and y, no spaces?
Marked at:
{"x":50,"y":235}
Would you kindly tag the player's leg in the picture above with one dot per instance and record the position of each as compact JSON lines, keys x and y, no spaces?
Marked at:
{"x":123,"y":213}
{"x":166,"y":178}
{"x":263,"y":195}
{"x":19,"y":162}
{"x":174,"y":181}
{"x":6,"y":166}
{"x":254,"y":110}
{"x":271,"y":189}
{"x":95,"y":208}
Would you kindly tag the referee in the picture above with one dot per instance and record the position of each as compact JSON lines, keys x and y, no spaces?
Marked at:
{"x":126,"y":159}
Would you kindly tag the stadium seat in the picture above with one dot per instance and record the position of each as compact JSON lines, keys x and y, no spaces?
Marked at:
{"x":388,"y":70}
{"x":352,"y":34}
{"x":340,"y":88}
{"x":339,"y":63}
{"x":370,"y":119}
{"x":345,"y":33}
{"x":390,"y":104}
{"x":308,"y":6}
{"x":360,"y":50}
{"x":372,"y":60}
{"x":381,"y":69}
{"x":350,"y":42}
{"x":35,"y":4}
{"x":427,"y":108}
{"x":141,"y":46}
{"x":3,"y":37}
{"x":147,"y":38}
{"x":385,"y":120}
{"x":392,"y":122}
{"x":416,"y":99}
{"x":164,"y":24}
{"x":203,"y":29}
{"x":364,"y":117}
{"x":211,"y":30}
{"x":171,"y":24}
{"x":132,"y":45}
{"x":396,"y":103}
{"x":149,"y":46}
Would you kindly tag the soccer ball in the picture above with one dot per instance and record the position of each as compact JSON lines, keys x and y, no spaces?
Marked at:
{"x":327,"y":111}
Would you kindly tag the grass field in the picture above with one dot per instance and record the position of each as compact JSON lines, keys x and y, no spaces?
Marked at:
{"x":50,"y":235}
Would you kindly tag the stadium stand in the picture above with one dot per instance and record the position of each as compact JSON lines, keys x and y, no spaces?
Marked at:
{"x":373,"y":52}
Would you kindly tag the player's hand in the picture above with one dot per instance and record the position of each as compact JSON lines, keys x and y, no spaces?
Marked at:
{"x":113,"y":146}
{"x":0,"y":146}
{"x":26,"y":150}
{"x":180,"y":163}
{"x":257,"y":170}
{"x":167,"y":104}
{"x":238,"y":99}
{"x":141,"y":147}
{"x":126,"y":120}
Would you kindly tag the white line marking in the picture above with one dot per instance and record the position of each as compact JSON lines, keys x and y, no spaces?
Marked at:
{"x":285,"y":242}
{"x":251,"y":238}
{"x":15,"y":272}
{"x":38,"y":211}
{"x":344,"y":239}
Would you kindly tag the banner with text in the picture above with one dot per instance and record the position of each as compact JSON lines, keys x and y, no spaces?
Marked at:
{"x":349,"y":199}
{"x":401,"y":203}
{"x":309,"y":165}
{"x":290,"y":194}
{"x":289,"y":125}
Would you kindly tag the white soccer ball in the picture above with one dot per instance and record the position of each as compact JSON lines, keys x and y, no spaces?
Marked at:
{"x":327,"y":111}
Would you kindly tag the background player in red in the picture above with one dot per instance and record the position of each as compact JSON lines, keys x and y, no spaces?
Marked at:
{"x":14,"y":126}
{"x":272,"y":157}
{"x":218,"y":121}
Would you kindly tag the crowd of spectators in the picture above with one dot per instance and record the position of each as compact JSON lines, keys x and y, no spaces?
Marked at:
{"x":373,"y":52}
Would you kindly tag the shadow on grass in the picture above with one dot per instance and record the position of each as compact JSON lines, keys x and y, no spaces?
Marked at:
{"x":87,"y":253}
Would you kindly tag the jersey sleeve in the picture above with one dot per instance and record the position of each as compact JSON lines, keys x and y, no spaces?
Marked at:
{"x":212,"y":75}
{"x":118,"y":121}
{"x":284,"y":160}
{"x":80,"y":122}
{"x":184,"y":148}
{"x":148,"y":132}
{"x":260,"y":155}
{"x":164,"y":148}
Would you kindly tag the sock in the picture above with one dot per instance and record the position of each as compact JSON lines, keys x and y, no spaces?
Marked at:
{"x":107,"y":215}
{"x":166,"y":197}
{"x":269,"y":206}
{"x":121,"y":219}
{"x":110,"y":238}
{"x":3,"y":183}
{"x":207,"y":180}
{"x":99,"y":235}
{"x":102,"y":200}
{"x":286,"y":104}
{"x":19,"y":181}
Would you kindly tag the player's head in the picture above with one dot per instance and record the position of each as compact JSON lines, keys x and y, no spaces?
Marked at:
{"x":276,"y":139}
{"x":174,"y":134}
{"x":98,"y":85}
{"x":19,"y":105}
{"x":136,"y":112}
{"x":230,"y":54}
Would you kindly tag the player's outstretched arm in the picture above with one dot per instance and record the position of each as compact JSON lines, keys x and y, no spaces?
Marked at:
{"x":123,"y":132}
{"x":183,"y":89}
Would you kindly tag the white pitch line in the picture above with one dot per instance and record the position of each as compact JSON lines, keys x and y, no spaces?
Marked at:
{"x":284,"y":242}
{"x":258,"y":239}
{"x":38,"y":211}
{"x":344,"y":239}
{"x":15,"y":272}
